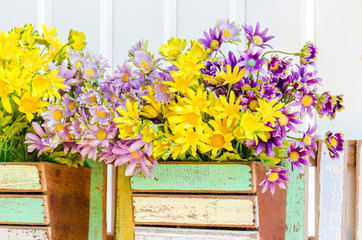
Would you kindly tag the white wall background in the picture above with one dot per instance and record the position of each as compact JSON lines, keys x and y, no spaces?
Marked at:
{"x":113,"y":26}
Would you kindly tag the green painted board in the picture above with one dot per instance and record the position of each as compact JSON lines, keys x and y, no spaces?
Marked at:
{"x":19,"y":177}
{"x":96,"y":213}
{"x":22,"y":210}
{"x":195,"y":177}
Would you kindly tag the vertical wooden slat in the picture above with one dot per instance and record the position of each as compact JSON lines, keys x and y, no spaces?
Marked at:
{"x":359,"y":191}
{"x":330,"y":206}
{"x":97,"y":214}
{"x":124,"y":212}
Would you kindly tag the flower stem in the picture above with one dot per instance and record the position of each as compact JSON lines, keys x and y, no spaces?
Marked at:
{"x":222,"y":54}
{"x":264,"y":163}
{"x":286,"y":53}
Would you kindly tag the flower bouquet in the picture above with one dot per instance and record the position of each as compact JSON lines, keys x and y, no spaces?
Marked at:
{"x":29,"y":82}
{"x":195,"y":104}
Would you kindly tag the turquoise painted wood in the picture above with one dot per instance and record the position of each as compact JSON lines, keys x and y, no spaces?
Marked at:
{"x":194,"y":177}
{"x":22,"y":210}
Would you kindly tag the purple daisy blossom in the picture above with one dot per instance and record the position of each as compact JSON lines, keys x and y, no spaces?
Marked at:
{"x":36,"y":140}
{"x":107,"y":155}
{"x":267,"y":91}
{"x":211,"y":68}
{"x":70,"y":105}
{"x":272,"y":140}
{"x":278,"y":67}
{"x":329,"y":105}
{"x":88,"y":151}
{"x":295,"y":155}
{"x":101,"y":115}
{"x":257,"y":38}
{"x":232,"y":61}
{"x":252,"y":62}
{"x":90,"y":70}
{"x":230,"y":31}
{"x":308,"y":54}
{"x":54,"y":115}
{"x":307,"y":102}
{"x":308,"y":142}
{"x":122,"y":77}
{"x":249,"y":102}
{"x":137,"y":47}
{"x":275,"y":177}
{"x":308,"y":77}
{"x":162,"y":94}
{"x":286,"y":122}
{"x":212,"y":40}
{"x":64,"y":72}
{"x":334,"y":143}
{"x":144,"y":61}
{"x":99,"y":136}
{"x":77,"y":127}
{"x":89,"y":98}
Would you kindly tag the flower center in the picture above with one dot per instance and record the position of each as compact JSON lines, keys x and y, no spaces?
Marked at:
{"x":59,"y":127}
{"x":114,"y":98}
{"x":214,"y":44}
{"x":231,"y":110}
{"x":144,"y":64}
{"x":192,"y":118}
{"x":294,"y":156}
{"x":246,"y":87}
{"x":307,"y":100}
{"x":100,"y":114}
{"x":126,"y":77}
{"x":253,"y":104}
{"x":77,"y":63}
{"x":93,"y":99}
{"x":58,"y":115}
{"x":267,"y":135}
{"x":101,"y":134}
{"x":89,"y":72}
{"x":307,"y":140}
{"x":275,"y":67}
{"x":283,"y":120}
{"x":258,"y":40}
{"x":71,"y":106}
{"x":164,"y":89}
{"x":251,"y":63}
{"x":226,"y":33}
{"x":333,"y":141}
{"x":273,"y":177}
{"x":217,"y":141}
{"x":135,"y":155}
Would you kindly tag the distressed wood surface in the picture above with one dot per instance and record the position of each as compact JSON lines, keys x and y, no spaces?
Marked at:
{"x":359,"y":191}
{"x":124,"y":214}
{"x":24,"y":233}
{"x":23,"y":209}
{"x":330,"y":198}
{"x":196,"y":177}
{"x":271,"y":208}
{"x":97,"y":205}
{"x":148,"y":233}
{"x":195,"y":210}
{"x":19,"y":177}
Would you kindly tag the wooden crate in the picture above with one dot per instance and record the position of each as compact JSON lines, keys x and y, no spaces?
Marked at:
{"x":206,"y":195}
{"x":44,"y":201}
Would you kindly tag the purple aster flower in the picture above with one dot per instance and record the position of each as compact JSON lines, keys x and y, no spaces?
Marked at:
{"x":334,"y":143}
{"x":257,"y":38}
{"x":101,"y":115}
{"x":286,"y":121}
{"x":137,"y":47}
{"x":144,"y":61}
{"x":309,"y":142}
{"x":89,"y":98}
{"x":306,"y":100}
{"x":295,"y":157}
{"x":70,"y":105}
{"x":230,"y":31}
{"x":249,"y":102}
{"x":211,"y":68}
{"x":162,"y":94}
{"x":268,"y":91}
{"x":36,"y":140}
{"x":99,"y":136}
{"x":64,"y":72}
{"x":90,"y":70}
{"x":54,"y":115}
{"x":308,"y":54}
{"x":252,"y":62}
{"x":329,"y":105}
{"x":308,"y":78}
{"x":77,"y":127}
{"x":272,"y":140}
{"x":275,"y":177}
{"x":278,"y":67}
{"x":212,"y":40}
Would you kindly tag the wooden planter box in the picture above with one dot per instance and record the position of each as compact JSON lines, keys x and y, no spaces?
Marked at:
{"x":210,"y":201}
{"x":44,"y":201}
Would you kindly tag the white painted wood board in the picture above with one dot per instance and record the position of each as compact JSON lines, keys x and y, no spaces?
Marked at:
{"x":149,"y":233}
{"x":24,"y":233}
{"x":331,"y":176}
{"x":195,"y":210}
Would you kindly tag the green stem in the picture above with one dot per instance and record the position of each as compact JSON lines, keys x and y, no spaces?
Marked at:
{"x":222,"y":54}
{"x":56,"y":55}
{"x":229,"y":90}
{"x":163,"y":70}
{"x":264,"y":164}
{"x":286,"y":53}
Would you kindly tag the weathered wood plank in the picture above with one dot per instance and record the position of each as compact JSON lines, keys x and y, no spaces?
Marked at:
{"x":23,"y":209}
{"x":124,"y":214}
{"x":148,"y":233}
{"x":97,"y":205}
{"x":24,"y":233}
{"x":359,"y":191}
{"x":196,"y":177}
{"x":19,"y":178}
{"x":331,"y":178}
{"x":195,"y":210}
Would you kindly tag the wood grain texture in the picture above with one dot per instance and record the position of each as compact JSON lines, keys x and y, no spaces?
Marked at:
{"x":24,"y":233}
{"x":271,"y":208}
{"x":196,"y":177}
{"x":195,"y":210}
{"x":19,"y":177}
{"x":359,"y":191}
{"x":148,"y":233}
{"x":124,"y":214}
{"x":330,"y":198}
{"x":97,"y":205}
{"x":68,"y":200}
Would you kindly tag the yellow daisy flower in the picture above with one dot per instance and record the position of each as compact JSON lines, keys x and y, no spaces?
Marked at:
{"x":220,"y":136}
{"x":270,"y":110}
{"x":30,"y":105}
{"x":232,"y":76}
{"x":229,"y":110}
{"x":173,"y":48}
{"x":129,"y":121}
